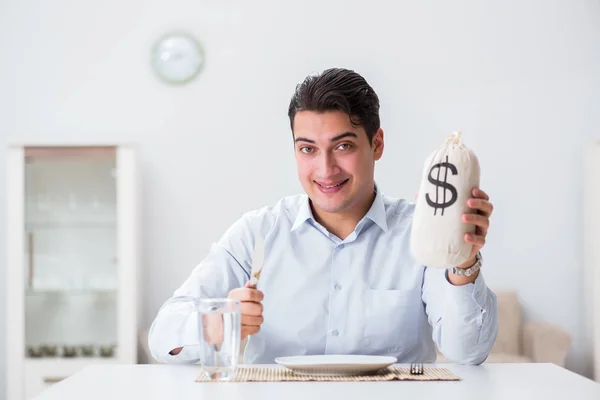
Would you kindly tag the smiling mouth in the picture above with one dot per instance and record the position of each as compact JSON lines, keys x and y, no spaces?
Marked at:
{"x":332,"y":186}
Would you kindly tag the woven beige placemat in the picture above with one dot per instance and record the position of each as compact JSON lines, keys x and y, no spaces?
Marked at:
{"x":265,"y":374}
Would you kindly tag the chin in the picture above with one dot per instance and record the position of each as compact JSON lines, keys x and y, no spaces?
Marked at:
{"x":331,"y":206}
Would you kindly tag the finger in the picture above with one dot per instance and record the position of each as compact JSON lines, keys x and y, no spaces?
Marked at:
{"x":251,"y":320}
{"x":246,"y":294}
{"x":483,"y":206}
{"x":479,"y":194}
{"x":478,"y":220}
{"x":251,"y":308}
{"x":477,"y":240}
{"x":249,"y":330}
{"x":480,"y":231}
{"x":212,"y":328}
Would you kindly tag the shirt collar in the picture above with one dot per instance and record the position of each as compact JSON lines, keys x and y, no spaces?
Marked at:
{"x":376,"y":213}
{"x":304,"y":213}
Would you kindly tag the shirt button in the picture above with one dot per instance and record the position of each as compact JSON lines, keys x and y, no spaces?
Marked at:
{"x":338,"y":287}
{"x":341,"y":246}
{"x":335,"y":333}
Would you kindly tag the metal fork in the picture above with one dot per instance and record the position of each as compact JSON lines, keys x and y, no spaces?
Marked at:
{"x":416,"y":369}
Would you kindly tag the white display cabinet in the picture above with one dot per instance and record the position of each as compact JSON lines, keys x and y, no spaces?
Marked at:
{"x":72,"y":262}
{"x":591,"y":247}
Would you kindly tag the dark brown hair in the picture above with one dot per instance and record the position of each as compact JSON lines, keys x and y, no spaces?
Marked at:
{"x":338,"y":89}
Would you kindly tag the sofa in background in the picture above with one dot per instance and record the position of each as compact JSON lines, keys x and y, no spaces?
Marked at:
{"x":520,"y":341}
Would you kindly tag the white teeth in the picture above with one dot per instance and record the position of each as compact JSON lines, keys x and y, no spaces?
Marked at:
{"x":332,"y":186}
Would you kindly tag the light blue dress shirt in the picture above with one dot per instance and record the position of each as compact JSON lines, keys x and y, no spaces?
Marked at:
{"x":323,"y":295}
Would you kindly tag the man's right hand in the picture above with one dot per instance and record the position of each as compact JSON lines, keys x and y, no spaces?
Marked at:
{"x":251,"y":308}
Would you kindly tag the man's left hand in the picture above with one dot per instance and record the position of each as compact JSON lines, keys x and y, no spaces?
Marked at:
{"x":480,"y":203}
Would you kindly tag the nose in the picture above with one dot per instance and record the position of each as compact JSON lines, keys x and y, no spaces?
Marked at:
{"x":328,"y":166}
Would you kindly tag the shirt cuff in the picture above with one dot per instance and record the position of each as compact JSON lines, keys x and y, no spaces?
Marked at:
{"x":471,"y":294}
{"x":187,"y":336}
{"x":189,"y":353}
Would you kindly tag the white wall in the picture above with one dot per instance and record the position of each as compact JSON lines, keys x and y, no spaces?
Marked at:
{"x":520,"y":79}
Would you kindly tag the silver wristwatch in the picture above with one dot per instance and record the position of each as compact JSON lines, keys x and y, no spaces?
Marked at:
{"x":472,"y":269}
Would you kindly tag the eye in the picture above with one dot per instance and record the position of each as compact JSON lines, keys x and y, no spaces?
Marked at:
{"x":306,"y":150}
{"x":345,"y":146}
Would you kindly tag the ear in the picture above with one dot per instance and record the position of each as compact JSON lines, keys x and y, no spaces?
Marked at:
{"x":377,"y":144}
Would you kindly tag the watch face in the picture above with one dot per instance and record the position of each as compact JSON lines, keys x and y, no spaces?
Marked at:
{"x":177,"y":58}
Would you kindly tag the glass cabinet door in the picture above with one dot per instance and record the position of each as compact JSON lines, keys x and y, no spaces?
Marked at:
{"x":70,"y":260}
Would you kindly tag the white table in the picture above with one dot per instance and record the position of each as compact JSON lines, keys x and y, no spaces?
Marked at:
{"x":488,"y":381}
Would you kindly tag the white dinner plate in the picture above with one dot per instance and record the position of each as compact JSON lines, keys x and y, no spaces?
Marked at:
{"x":335,"y":364}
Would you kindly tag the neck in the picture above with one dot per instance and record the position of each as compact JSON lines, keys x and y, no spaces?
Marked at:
{"x":343,"y":223}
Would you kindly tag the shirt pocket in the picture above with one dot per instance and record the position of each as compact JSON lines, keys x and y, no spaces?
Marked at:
{"x":392,"y":321}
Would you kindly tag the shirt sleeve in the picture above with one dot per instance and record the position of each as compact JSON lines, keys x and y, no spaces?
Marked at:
{"x":227,"y":266}
{"x":464,"y":318}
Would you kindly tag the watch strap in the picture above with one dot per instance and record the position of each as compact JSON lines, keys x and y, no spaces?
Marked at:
{"x":471,"y":270}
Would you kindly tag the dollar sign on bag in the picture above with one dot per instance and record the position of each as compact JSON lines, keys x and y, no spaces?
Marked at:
{"x":444,"y":185}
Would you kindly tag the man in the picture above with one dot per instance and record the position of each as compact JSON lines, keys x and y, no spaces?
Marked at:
{"x":338,"y":276}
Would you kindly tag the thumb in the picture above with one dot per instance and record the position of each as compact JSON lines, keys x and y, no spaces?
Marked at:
{"x":249,"y":285}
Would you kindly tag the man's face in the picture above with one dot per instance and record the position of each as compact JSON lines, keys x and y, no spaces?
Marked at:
{"x":335,"y":160}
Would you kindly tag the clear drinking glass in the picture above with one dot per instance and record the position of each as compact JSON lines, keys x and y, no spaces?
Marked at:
{"x":220,"y":332}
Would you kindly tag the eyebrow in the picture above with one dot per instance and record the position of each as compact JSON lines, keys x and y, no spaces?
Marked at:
{"x":333,"y":139}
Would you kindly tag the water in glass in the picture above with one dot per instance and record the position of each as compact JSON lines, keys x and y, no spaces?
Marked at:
{"x":220,"y":329}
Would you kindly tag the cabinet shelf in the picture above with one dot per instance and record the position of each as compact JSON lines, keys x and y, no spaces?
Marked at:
{"x":70,"y":225}
{"x":73,"y":361}
{"x":71,"y":292}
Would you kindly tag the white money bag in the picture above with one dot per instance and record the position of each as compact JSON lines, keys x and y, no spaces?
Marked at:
{"x":437,"y":234}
